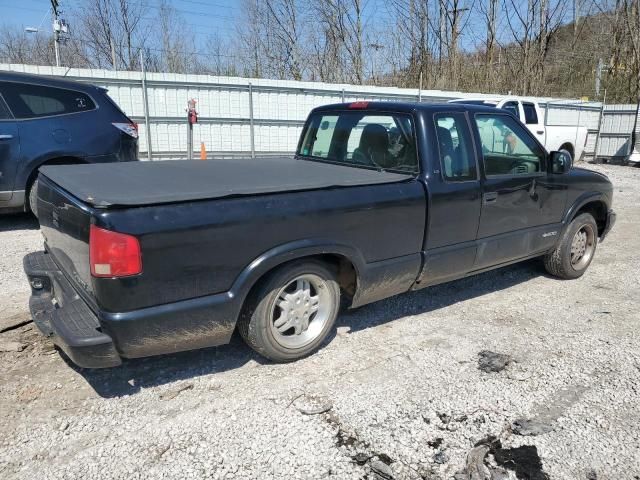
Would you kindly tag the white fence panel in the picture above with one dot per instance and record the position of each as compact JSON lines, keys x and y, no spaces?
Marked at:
{"x":280,"y":108}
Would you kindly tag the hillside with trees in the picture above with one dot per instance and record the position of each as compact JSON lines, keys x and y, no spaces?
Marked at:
{"x":529,"y":47}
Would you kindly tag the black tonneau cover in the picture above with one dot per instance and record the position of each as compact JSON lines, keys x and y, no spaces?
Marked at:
{"x":149,"y":183}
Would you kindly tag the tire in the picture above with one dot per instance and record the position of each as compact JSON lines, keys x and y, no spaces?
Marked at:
{"x":275,"y":316}
{"x":567,"y":261}
{"x":33,"y":198}
{"x":569,"y":150}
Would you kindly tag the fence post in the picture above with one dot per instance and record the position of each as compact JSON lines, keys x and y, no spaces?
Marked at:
{"x":634,"y":152}
{"x":145,"y":106}
{"x":420,"y":89}
{"x":600,"y":120}
{"x":575,"y":141}
{"x":251,"y":126}
{"x":546,"y":114}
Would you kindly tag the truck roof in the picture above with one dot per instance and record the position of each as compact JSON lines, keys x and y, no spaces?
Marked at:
{"x":406,"y":107}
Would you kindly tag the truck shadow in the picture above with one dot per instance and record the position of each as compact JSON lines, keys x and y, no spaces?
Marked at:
{"x":18,"y":221}
{"x":138,"y":374}
{"x":440,"y":296}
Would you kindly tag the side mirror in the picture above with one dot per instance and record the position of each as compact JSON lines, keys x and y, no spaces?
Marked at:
{"x":560,"y":161}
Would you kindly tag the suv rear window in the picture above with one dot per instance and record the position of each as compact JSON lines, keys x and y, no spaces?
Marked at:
{"x":33,"y":101}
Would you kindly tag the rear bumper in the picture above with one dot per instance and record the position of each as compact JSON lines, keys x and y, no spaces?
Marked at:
{"x":61,"y":314}
{"x":611,"y":220}
{"x":93,"y":338}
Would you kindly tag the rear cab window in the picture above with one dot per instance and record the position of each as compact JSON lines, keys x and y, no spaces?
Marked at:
{"x":377,"y":140}
{"x":36,"y":101}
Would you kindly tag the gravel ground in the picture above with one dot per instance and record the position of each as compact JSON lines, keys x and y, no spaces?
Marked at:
{"x":396,"y":393}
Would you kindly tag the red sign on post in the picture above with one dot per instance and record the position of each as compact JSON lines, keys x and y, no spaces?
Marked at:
{"x":192,"y":115}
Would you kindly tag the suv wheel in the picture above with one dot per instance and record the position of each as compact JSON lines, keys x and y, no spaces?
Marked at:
{"x":33,"y":198}
{"x":292,"y":312}
{"x":575,"y":251}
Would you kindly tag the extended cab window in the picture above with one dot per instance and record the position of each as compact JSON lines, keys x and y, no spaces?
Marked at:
{"x":507,"y":148}
{"x":454,"y":144}
{"x":33,"y":101}
{"x":366,"y":139}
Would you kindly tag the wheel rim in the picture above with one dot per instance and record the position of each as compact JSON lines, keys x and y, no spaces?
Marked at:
{"x":301,"y":311}
{"x":582,"y":247}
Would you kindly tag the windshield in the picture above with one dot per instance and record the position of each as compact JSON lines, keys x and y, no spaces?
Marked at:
{"x":383,"y":141}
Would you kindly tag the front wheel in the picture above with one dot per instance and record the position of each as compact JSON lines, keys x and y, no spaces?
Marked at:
{"x":292,"y":312}
{"x":576,"y":249}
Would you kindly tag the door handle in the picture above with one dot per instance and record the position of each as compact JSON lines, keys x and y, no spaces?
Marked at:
{"x":490,"y":197}
{"x":540,"y":132}
{"x":6,"y":137}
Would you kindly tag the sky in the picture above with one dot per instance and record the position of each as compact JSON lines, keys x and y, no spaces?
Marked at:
{"x":204,"y":17}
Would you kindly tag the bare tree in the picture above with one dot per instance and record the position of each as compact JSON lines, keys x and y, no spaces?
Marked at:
{"x":113,"y":32}
{"x":271,"y":36}
{"x":342,"y":22}
{"x":414,"y":29}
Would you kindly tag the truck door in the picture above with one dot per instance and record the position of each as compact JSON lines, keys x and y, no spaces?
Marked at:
{"x":454,"y":192}
{"x":9,"y":152}
{"x":520,"y":200}
{"x":534,"y":121}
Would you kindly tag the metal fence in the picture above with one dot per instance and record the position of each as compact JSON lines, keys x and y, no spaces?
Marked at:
{"x":616,"y":137}
{"x":239,"y":116}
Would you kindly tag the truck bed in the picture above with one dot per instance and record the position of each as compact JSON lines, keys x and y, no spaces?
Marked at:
{"x":154,"y":183}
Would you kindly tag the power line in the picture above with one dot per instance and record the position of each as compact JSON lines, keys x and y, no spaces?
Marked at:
{"x":199,"y":13}
{"x":209,"y":4}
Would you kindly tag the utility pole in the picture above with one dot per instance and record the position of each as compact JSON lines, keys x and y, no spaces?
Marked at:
{"x":376,"y":47}
{"x":112,"y":47}
{"x":600,"y":69}
{"x":442,"y":12}
{"x":454,"y":16}
{"x":491,"y":40}
{"x":56,"y":30}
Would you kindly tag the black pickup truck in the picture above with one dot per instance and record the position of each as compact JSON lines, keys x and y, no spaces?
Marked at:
{"x":380,"y":198}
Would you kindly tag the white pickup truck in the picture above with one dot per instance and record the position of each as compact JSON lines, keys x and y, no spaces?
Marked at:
{"x":553,"y":137}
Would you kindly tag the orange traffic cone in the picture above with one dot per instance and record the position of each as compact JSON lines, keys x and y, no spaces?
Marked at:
{"x":203,"y":151}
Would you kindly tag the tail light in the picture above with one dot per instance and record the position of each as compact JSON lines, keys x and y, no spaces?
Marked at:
{"x":113,"y":254}
{"x":130,"y":129}
{"x":360,"y":105}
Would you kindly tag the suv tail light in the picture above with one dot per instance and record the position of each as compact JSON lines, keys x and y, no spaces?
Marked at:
{"x":130,"y":129}
{"x":113,"y":254}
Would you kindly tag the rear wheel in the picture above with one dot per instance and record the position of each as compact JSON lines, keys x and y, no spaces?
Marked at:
{"x":567,"y":147}
{"x":292,"y":312}
{"x":576,"y":249}
{"x":33,"y":198}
